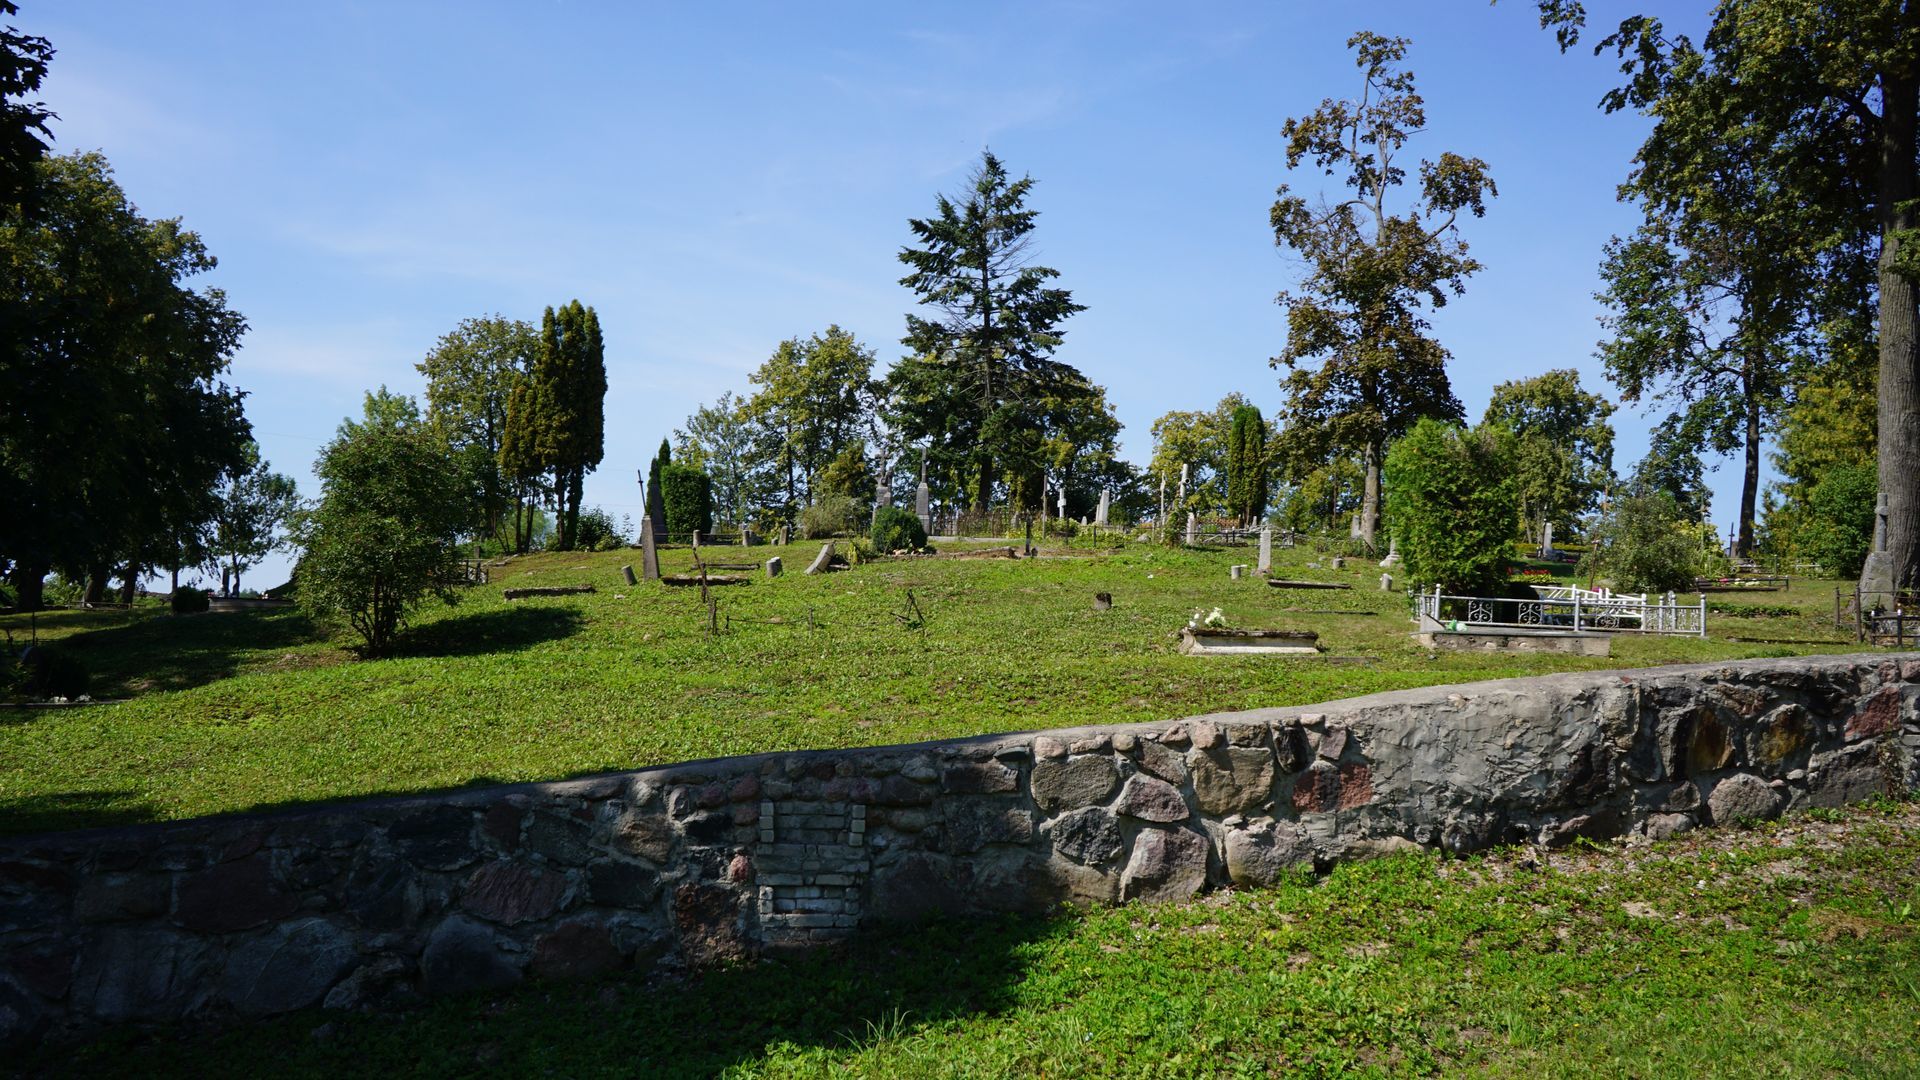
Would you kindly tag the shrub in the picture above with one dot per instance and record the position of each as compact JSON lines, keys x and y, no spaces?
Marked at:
{"x":1455,"y":506}
{"x":835,"y":515}
{"x":896,"y":528}
{"x":688,"y":495}
{"x":1838,"y":532}
{"x":380,"y":539}
{"x":599,"y":532}
{"x":1065,"y":528}
{"x":1644,"y":543}
{"x":186,"y":600}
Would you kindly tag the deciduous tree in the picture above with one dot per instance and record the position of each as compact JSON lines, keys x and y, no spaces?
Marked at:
{"x":1563,"y":445}
{"x":471,"y":375}
{"x":1372,"y":268}
{"x":1829,"y":92}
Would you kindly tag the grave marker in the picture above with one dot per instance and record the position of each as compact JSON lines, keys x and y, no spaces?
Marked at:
{"x":1265,"y":565}
{"x":649,"y":557}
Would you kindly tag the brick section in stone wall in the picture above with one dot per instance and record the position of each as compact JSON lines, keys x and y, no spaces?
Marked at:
{"x":377,"y":905}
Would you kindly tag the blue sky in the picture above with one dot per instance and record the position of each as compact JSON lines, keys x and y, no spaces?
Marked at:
{"x":715,"y":178}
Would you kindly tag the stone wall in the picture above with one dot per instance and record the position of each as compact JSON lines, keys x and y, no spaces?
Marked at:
{"x":378,"y":904}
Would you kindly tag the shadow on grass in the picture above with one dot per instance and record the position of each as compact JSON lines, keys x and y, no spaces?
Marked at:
{"x":166,"y":652}
{"x":62,"y":810}
{"x":498,"y":631}
{"x":885,"y":985}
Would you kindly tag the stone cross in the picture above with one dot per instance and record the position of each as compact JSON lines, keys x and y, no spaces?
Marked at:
{"x":1100,"y":514}
{"x":1393,"y":552}
{"x":1265,"y":565}
{"x":882,"y":492}
{"x":649,"y":557}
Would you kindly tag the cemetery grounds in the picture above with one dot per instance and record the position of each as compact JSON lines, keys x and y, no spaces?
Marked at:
{"x":1783,"y":949}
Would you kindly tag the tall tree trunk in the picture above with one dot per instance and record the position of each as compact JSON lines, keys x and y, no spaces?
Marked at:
{"x":1899,"y":346}
{"x":29,"y":586}
{"x":97,"y":576}
{"x":983,"y":483}
{"x":1370,"y":502}
{"x":576,"y":477}
{"x":129,"y":584}
{"x":1749,"y":482}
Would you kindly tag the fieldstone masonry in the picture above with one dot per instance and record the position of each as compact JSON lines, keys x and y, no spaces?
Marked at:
{"x":380,"y":904}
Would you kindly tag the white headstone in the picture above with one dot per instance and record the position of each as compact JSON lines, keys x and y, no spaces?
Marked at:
{"x":649,"y":557}
{"x":1266,"y":549}
{"x":1063,"y":502}
{"x":1546,"y":541}
{"x":1193,"y":528}
{"x":923,"y":506}
{"x":1393,"y":552}
{"x":1386,"y":582}
{"x":1100,"y":514}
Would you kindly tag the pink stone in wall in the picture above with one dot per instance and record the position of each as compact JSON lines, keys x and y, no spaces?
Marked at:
{"x":1877,"y":716}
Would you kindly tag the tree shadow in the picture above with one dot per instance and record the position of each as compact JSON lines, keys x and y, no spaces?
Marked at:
{"x":165,"y":652}
{"x":63,"y":810}
{"x":884,"y":985}
{"x":501,"y":630}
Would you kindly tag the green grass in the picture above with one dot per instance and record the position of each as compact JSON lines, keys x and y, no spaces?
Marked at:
{"x":1787,"y":950}
{"x":228,"y":712}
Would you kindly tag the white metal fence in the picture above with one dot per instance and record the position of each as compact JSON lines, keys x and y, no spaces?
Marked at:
{"x":1560,"y":607}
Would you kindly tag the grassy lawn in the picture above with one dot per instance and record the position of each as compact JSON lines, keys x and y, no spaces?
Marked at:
{"x":1787,"y":950}
{"x":227,"y":712}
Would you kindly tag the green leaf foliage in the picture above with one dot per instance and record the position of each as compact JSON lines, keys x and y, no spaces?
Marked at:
{"x":118,"y":365}
{"x":1838,"y":529}
{"x":688,"y":496}
{"x":897,"y":529}
{"x":1247,"y":484}
{"x":1372,"y":272}
{"x":384,"y":532}
{"x":1644,"y":542}
{"x":1563,"y":445}
{"x":1454,"y":496}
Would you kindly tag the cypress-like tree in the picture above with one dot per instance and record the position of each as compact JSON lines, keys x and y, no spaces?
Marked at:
{"x":656,"y":499}
{"x":556,"y":419}
{"x":1247,"y":481}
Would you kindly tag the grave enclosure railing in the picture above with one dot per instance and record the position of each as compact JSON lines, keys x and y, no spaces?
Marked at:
{"x":1563,"y":608}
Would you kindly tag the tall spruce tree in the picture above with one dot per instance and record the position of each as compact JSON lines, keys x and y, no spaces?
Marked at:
{"x":1370,"y":272}
{"x":986,"y":353}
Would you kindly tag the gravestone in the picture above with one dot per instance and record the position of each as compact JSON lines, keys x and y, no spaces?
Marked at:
{"x":773,"y":566}
{"x":627,"y":572}
{"x":1063,"y":503}
{"x":696,"y":538}
{"x":923,"y":506}
{"x":1236,"y":570}
{"x":1546,"y":541}
{"x":823,"y":560}
{"x":1265,"y":565}
{"x":1386,"y":582}
{"x":1393,"y":552}
{"x":882,"y":492}
{"x":1193,"y":528}
{"x":786,"y":535}
{"x":649,"y":557}
{"x":1100,"y":514}
{"x":1877,"y":575}
{"x":746,"y":535}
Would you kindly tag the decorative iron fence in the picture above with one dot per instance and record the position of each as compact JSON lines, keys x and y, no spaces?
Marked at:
{"x":1563,"y":608}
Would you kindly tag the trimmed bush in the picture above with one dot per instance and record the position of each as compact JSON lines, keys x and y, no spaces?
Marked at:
{"x":896,"y":528}
{"x":1839,"y":527}
{"x":189,"y":601}
{"x":1455,"y":506}
{"x":688,"y":494}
